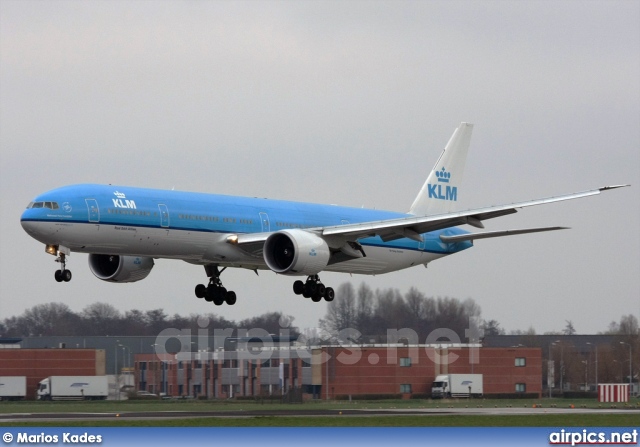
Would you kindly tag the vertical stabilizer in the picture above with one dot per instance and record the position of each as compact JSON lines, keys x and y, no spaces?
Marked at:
{"x":441,"y":191}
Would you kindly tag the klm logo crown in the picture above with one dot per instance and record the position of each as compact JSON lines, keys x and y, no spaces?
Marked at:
{"x":443,"y":176}
{"x":119,"y":195}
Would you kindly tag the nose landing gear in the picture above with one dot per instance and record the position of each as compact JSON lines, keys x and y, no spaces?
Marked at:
{"x":62,"y":275}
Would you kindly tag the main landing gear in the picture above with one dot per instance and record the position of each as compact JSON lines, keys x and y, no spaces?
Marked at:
{"x":313,"y":289}
{"x":215,"y":292}
{"x":63,"y":274}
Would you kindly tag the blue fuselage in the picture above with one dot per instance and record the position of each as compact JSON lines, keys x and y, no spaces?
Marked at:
{"x":191,"y":226}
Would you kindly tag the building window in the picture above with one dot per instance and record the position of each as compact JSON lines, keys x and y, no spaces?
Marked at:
{"x":521,"y":387}
{"x":230,"y":363}
{"x":405,"y":361}
{"x":521,"y":361}
{"x":405,"y":388}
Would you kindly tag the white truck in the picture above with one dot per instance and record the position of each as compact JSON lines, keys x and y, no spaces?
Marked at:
{"x":13,"y":387}
{"x":457,"y":385}
{"x":73,"y":388}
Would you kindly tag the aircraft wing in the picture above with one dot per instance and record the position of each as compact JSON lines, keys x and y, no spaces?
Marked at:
{"x":413,"y":227}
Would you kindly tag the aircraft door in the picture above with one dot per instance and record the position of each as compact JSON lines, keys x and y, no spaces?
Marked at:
{"x":264,"y":219}
{"x":94,"y":211}
{"x":164,"y":215}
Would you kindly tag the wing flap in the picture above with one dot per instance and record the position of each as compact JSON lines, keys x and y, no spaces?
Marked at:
{"x":490,"y":234}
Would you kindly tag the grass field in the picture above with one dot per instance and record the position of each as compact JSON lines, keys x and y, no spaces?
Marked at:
{"x":544,"y":420}
{"x":110,"y":406}
{"x":238,"y":419}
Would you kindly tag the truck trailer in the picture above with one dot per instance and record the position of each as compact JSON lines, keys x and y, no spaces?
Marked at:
{"x":73,"y":388}
{"x":13,"y":387}
{"x":457,"y":385}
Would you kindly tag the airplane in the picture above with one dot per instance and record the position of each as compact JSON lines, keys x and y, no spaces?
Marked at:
{"x":124,"y":229}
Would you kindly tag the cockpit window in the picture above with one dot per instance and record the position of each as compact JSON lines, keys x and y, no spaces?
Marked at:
{"x":50,"y":205}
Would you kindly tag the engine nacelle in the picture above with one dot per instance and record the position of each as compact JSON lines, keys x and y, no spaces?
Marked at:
{"x":114,"y":268}
{"x":296,"y":252}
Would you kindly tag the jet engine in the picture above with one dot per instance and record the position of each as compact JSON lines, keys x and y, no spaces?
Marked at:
{"x":296,"y":252}
{"x":114,"y":268}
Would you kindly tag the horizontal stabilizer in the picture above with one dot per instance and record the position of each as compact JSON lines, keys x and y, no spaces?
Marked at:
{"x":489,"y":234}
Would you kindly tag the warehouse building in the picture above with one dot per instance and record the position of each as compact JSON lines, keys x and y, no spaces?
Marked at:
{"x":336,"y":372}
{"x":37,"y":364}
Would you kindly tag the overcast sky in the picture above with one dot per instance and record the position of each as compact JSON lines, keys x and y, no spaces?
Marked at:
{"x":335,"y":102}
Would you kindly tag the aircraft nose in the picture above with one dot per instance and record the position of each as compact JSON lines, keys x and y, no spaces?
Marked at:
{"x":26,"y":223}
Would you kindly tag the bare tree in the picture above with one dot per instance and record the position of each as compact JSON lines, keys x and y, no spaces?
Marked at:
{"x":391,"y":310}
{"x":628,"y":325}
{"x":364,"y":309}
{"x":134,"y":323}
{"x":416,"y":304}
{"x":156,"y":320}
{"x":48,"y":319}
{"x":569,"y":329}
{"x":341,"y":312}
{"x":272,"y":322}
{"x":103,"y":318}
{"x":491,"y":327}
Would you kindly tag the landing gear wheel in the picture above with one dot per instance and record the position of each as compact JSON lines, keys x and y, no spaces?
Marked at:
{"x":218,"y":300}
{"x":231,"y":298}
{"x":329,"y":294}
{"x":316,"y":298}
{"x":201,"y":291}
{"x":306,"y":292}
{"x":298,"y":287}
{"x":208,"y":297}
{"x":312,"y":287}
{"x":63,"y":274}
{"x":219,"y":295}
